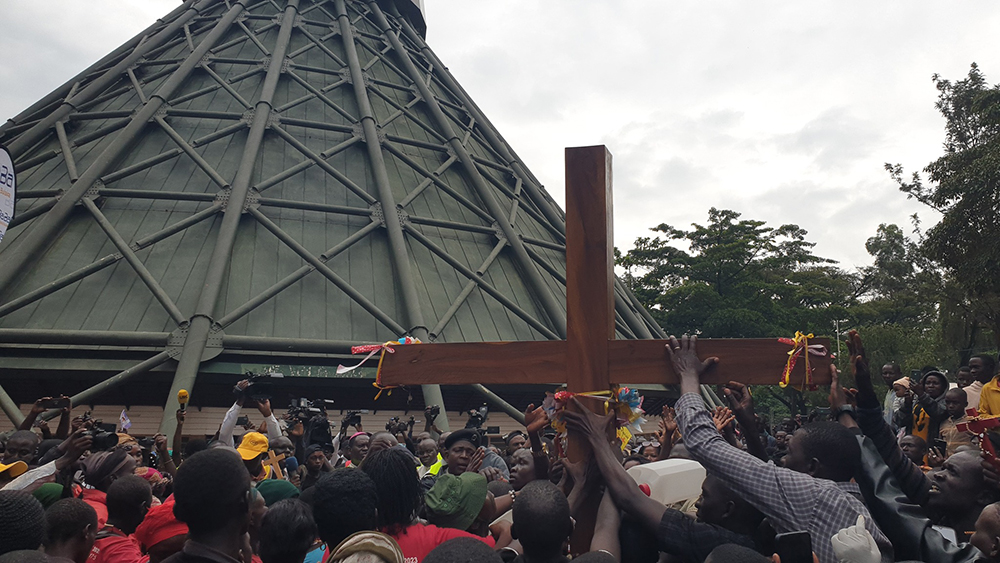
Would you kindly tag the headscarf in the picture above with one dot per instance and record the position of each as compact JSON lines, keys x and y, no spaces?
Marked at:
{"x":274,"y":490}
{"x":375,"y":543}
{"x":98,"y":467}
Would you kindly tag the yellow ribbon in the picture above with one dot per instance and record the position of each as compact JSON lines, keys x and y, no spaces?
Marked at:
{"x":800,"y":345}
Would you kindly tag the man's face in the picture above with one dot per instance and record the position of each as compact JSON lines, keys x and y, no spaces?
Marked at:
{"x":516,"y":442}
{"x":136,"y":452}
{"x":712,"y":504}
{"x":20,"y":449}
{"x":458,"y":456}
{"x":441,"y":439}
{"x":427,"y":452}
{"x":955,"y":402}
{"x":359,"y":448}
{"x":956,"y":485}
{"x":522,"y":469}
{"x":987,"y":535}
{"x":781,"y":439}
{"x":315,"y":461}
{"x":964,"y":377}
{"x":890,"y":374}
{"x":913,"y":448}
{"x":282,"y":445}
{"x":976,"y":369}
{"x":796,"y":459}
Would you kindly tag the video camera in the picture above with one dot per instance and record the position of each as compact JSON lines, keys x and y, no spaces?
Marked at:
{"x":396,"y":426}
{"x":352,"y":418}
{"x":260,"y":388}
{"x":478,"y":417}
{"x":312,"y":415}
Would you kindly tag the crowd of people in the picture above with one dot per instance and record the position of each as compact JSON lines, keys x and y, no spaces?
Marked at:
{"x":899,"y":477}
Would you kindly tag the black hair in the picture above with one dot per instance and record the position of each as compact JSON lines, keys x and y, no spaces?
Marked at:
{"x":835,"y":447}
{"x":287,"y":532}
{"x":989,"y":364}
{"x":499,"y":488}
{"x":964,"y":368}
{"x":66,"y":519}
{"x":125,"y":496}
{"x":194,"y":446}
{"x":211,"y":489}
{"x":895,"y":367}
{"x":732,"y":553}
{"x":399,"y":491}
{"x":344,"y":501}
{"x":636,"y":457}
{"x":22,"y":521}
{"x":541,"y":519}
{"x":462,"y":550}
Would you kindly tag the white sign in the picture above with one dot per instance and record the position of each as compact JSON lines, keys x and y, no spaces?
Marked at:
{"x":7,"y":183}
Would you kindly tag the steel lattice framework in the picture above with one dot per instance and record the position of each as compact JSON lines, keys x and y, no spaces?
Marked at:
{"x":283,"y":178}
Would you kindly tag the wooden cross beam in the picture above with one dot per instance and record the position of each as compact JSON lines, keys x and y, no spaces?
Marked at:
{"x":590,"y":359}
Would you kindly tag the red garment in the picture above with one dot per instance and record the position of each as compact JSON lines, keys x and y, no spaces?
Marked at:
{"x":113,"y":546}
{"x":418,"y":540}
{"x":98,"y":500}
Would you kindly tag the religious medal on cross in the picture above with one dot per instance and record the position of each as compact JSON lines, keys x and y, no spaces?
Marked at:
{"x":590,"y":359}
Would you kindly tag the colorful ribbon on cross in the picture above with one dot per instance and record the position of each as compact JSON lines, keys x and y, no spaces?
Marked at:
{"x":800,"y":347}
{"x":624,"y":401}
{"x":372,"y":349}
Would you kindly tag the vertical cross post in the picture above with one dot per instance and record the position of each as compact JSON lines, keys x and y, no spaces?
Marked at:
{"x":590,"y":313}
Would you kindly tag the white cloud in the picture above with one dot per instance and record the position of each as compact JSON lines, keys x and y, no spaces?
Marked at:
{"x":783,"y":111}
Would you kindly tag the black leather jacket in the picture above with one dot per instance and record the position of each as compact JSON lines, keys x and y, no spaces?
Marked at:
{"x":904,"y":523}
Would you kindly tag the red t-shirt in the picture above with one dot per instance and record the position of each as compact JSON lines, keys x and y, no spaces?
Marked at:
{"x":116,"y":547}
{"x":418,"y":540}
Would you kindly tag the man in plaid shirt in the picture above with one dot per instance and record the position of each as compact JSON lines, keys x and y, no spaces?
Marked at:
{"x":791,"y":500}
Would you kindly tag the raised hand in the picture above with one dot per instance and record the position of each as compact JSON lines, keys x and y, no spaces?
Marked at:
{"x":296,"y":430}
{"x":181,"y":415}
{"x":491,"y":474}
{"x":592,"y":425}
{"x":740,"y":401}
{"x":38,"y":408}
{"x":935,"y":457}
{"x":476,"y":462}
{"x":722,"y":417}
{"x":668,"y":421}
{"x":160,"y":443}
{"x":859,"y":358}
{"x":683,"y":356}
{"x":535,"y":419}
{"x":838,"y":396}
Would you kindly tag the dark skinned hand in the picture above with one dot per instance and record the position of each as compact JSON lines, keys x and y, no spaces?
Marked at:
{"x":684,"y":357}
{"x":669,"y":421}
{"x":38,"y":407}
{"x":862,"y":372}
{"x":69,"y":404}
{"x":591,"y":425}
{"x":583,"y":473}
{"x":296,"y":430}
{"x":160,"y":443}
{"x":838,"y":395}
{"x":491,"y":474}
{"x":740,"y":400}
{"x":476,"y":462}
{"x":72,"y":448}
{"x":181,"y":415}
{"x":535,"y":419}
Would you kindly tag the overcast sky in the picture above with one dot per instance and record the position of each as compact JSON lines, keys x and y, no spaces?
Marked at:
{"x":783,"y":111}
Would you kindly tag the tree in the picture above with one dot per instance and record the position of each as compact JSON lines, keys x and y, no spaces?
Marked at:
{"x":738,"y":278}
{"x":963,"y":185}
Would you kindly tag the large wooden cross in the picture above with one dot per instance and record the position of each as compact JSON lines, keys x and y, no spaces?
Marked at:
{"x":590,"y":359}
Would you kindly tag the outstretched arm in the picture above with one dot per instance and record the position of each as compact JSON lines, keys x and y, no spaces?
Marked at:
{"x":606,"y":528}
{"x":624,"y":491}
{"x":741,"y":403}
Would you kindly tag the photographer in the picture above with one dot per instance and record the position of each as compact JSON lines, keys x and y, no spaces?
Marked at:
{"x":273,"y":431}
{"x":71,"y":448}
{"x":63,"y":403}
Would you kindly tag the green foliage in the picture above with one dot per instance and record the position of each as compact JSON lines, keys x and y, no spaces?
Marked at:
{"x":963,"y":185}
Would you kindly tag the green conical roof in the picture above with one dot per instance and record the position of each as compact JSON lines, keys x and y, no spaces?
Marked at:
{"x":279,"y":177}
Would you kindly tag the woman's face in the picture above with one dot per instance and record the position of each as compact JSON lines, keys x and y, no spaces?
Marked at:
{"x":934,"y":386}
{"x":522,"y":469}
{"x":652,"y":453}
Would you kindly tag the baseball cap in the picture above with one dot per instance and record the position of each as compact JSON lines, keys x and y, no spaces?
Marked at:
{"x":253,"y":444}
{"x":15,"y":469}
{"x":456,"y":500}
